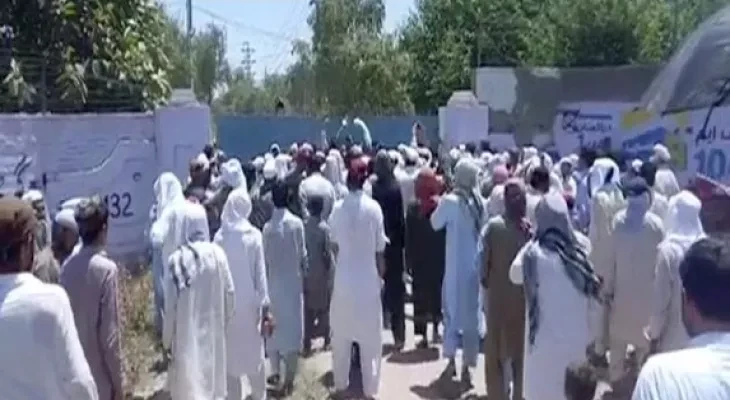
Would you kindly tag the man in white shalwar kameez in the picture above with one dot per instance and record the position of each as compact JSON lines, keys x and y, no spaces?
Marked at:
{"x":168,"y":194}
{"x":358,"y":235}
{"x":606,"y":200}
{"x":286,"y":262}
{"x":561,"y":290}
{"x":198,"y":305}
{"x":666,"y":182}
{"x":243,"y":245}
{"x":630,"y":275}
{"x":462,"y":212}
{"x":666,"y":331}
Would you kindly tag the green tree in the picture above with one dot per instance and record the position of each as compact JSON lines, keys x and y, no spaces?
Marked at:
{"x":91,"y":55}
{"x":209,"y":60}
{"x":357,"y":69}
{"x":447,"y":39}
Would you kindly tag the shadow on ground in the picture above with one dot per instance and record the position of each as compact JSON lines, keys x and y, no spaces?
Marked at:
{"x":414,"y":356}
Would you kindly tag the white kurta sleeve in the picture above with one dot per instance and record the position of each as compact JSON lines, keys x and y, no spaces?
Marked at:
{"x":380,"y":238}
{"x":159,"y":228}
{"x":482,"y":256}
{"x":259,"y":268}
{"x":516,"y":270}
{"x":441,"y":215}
{"x":75,"y":379}
{"x":228,"y":288}
{"x":661,"y":296}
{"x":302,"y":248}
{"x":171,"y":296}
{"x":606,"y":267}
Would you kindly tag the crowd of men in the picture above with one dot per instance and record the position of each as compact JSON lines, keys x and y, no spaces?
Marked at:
{"x":551,"y":267}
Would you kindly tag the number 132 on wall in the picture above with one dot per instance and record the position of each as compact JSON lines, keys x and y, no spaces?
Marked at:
{"x":119,"y":204}
{"x":713,"y":163}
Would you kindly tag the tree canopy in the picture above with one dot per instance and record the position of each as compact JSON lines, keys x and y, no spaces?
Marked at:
{"x":111,"y":55}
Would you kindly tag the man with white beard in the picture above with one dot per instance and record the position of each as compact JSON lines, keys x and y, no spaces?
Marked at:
{"x":683,"y":227}
{"x":358,"y":235}
{"x":633,"y":254}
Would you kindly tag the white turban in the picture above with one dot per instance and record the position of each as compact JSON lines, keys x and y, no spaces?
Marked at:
{"x":66,"y":219}
{"x":410,"y":154}
{"x":232,"y":174}
{"x":661,"y":153}
{"x":258,"y":162}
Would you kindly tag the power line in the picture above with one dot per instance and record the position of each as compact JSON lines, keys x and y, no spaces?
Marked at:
{"x":246,"y":27}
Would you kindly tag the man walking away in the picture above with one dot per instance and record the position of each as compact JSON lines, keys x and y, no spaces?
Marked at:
{"x":358,"y":236}
{"x":198,"y":305}
{"x":286,"y":263}
{"x":318,"y":281}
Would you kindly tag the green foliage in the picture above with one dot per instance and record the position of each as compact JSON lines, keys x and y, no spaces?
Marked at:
{"x":114,"y":55}
{"x":83,"y":55}
{"x":447,"y":39}
{"x":356,"y":68}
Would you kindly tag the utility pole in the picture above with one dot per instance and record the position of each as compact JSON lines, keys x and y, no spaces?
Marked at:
{"x":189,"y":42}
{"x":247,"y":61}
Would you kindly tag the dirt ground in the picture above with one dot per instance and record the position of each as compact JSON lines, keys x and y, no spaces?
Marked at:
{"x":410,"y":374}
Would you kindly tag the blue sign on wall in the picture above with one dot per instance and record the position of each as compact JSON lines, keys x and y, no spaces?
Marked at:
{"x":245,"y":137}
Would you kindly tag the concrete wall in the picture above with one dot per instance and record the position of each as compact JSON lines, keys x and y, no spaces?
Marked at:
{"x":524,"y":101}
{"x":117,"y":156}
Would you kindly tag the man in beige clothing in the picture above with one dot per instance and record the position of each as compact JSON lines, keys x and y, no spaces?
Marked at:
{"x":502,"y":239}
{"x":91,"y":279}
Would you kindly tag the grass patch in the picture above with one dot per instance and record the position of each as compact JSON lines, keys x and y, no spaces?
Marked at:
{"x":140,"y":348}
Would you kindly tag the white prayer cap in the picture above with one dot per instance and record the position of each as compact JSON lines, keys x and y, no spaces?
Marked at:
{"x":232,"y":174}
{"x":462,"y":148}
{"x":258,"y":162}
{"x":636,"y":164}
{"x":293,"y":148}
{"x":454,"y":154}
{"x":269,"y":170}
{"x":356,"y":150}
{"x":661,"y":153}
{"x":530,"y":152}
{"x":394,"y":155}
{"x":32,"y":196}
{"x":71,"y":204}
{"x":402,"y":147}
{"x":66,"y":219}
{"x":410,"y":154}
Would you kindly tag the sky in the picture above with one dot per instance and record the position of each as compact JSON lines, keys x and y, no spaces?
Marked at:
{"x":269,"y":26}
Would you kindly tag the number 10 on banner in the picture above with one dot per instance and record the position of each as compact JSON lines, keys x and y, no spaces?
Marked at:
{"x":712,"y":163}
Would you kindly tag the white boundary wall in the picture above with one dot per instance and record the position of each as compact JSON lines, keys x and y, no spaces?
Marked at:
{"x":118,"y":156}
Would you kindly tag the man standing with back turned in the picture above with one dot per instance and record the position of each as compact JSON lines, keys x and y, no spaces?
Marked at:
{"x":358,"y":236}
